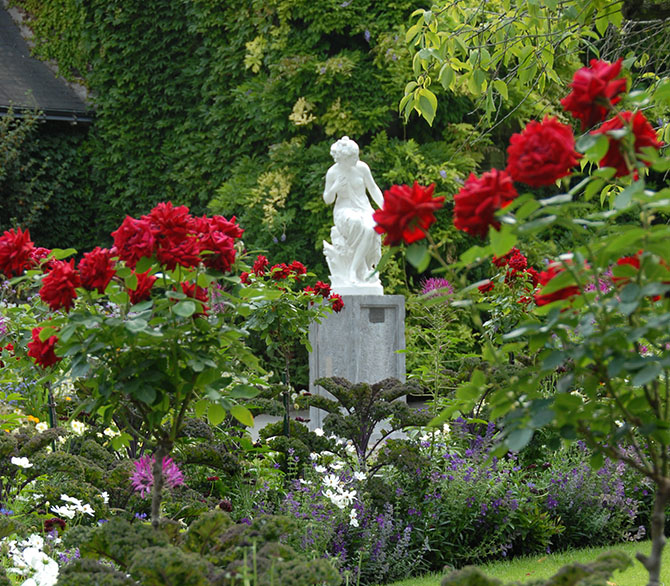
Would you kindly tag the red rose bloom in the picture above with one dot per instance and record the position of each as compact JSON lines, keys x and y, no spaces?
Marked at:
{"x":501,"y":261}
{"x":336,"y":302}
{"x":479,"y":199}
{"x":16,"y":249}
{"x":542,"y":153}
{"x":534,"y":276}
{"x":185,"y":252}
{"x":297,"y":268}
{"x":407,"y":213}
{"x":59,"y":285}
{"x":552,"y":271}
{"x":322,"y":289}
{"x":96,"y":269}
{"x":594,"y":92}
{"x":172,"y":223}
{"x":135,"y":239}
{"x":260,"y":265}
{"x":43,"y":351}
{"x":143,"y":290}
{"x":227,"y":227}
{"x":10,"y":348}
{"x":486,"y":287}
{"x":280,"y":272}
{"x":219,"y":251}
{"x":643,"y":133}
{"x":37,"y":255}
{"x":633,"y":261}
{"x":244,"y":278}
{"x":518,"y":262}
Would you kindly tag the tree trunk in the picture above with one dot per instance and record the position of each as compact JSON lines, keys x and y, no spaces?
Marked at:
{"x":161,"y":453}
{"x":653,"y":562}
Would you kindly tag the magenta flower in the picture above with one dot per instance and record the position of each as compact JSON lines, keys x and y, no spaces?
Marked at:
{"x":143,"y":479}
{"x":437,"y":286}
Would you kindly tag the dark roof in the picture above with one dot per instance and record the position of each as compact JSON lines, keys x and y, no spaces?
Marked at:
{"x":27,"y":83}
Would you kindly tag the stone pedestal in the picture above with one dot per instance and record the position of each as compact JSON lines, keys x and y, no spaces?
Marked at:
{"x":361,"y":344}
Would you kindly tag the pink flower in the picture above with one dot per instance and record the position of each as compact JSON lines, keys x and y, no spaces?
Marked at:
{"x":143,"y":478}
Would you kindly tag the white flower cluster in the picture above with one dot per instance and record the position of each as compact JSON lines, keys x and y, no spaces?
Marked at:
{"x":21,"y":462}
{"x":32,"y":563}
{"x":73,"y":507}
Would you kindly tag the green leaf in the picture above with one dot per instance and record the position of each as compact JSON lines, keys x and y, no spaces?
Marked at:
{"x":215,"y":414}
{"x":200,"y":408}
{"x":61,"y":253}
{"x":501,"y":87}
{"x":185,"y":308}
{"x":503,"y":240}
{"x":244,"y":392}
{"x":418,"y":256}
{"x":136,"y":325}
{"x":647,"y":374}
{"x":427,"y":105}
{"x":243,"y":415}
{"x":623,"y":200}
{"x":518,"y":439}
{"x":662,"y":93}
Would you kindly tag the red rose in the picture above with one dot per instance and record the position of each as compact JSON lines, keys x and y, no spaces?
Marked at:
{"x":228,"y":227}
{"x":297,"y":268}
{"x":10,"y":348}
{"x":486,"y":287}
{"x":322,"y":289}
{"x":244,"y":278}
{"x":59,"y":285}
{"x":594,"y":92}
{"x":199,"y":294}
{"x":552,"y":271}
{"x":96,"y":269}
{"x":172,"y":223}
{"x":518,"y":262}
{"x":534,"y":276}
{"x":219,"y":251}
{"x":37,"y":255}
{"x":501,"y":261}
{"x":643,"y":136}
{"x":43,"y":351}
{"x":479,"y":199}
{"x":16,"y":249}
{"x":135,"y":239}
{"x":280,"y":272}
{"x":336,"y":302}
{"x":633,"y":261}
{"x":542,"y":153}
{"x":185,"y":252}
{"x":407,"y":213}
{"x":143,"y":289}
{"x":260,"y":265}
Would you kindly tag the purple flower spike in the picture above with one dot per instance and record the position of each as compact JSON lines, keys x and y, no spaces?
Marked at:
{"x":143,"y":479}
{"x":437,"y":286}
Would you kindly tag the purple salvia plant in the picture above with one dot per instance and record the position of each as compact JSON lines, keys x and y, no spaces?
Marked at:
{"x":436,"y":286}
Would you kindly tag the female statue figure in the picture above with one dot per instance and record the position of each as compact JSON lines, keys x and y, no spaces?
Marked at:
{"x":356,"y":247}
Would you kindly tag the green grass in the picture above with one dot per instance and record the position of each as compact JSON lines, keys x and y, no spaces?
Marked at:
{"x":526,"y":568}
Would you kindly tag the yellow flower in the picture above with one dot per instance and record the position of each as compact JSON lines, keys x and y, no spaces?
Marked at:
{"x":32,"y":418}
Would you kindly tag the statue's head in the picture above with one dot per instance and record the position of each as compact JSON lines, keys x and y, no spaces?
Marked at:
{"x":343,"y":149}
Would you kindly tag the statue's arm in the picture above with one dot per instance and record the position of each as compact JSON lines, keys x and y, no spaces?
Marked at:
{"x":330,"y":191}
{"x":372,"y":187}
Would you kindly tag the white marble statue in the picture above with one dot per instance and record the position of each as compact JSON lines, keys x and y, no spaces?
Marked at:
{"x":356,"y":247}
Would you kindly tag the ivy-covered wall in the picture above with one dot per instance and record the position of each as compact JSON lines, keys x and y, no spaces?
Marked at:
{"x":232,"y":107}
{"x":44,"y":183}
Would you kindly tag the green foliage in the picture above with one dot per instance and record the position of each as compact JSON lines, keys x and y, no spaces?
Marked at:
{"x":597,"y":573}
{"x":213,"y":550}
{"x":85,"y":571}
{"x":503,"y":51}
{"x":235,"y":107}
{"x":44,"y":183}
{"x":359,"y":408}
